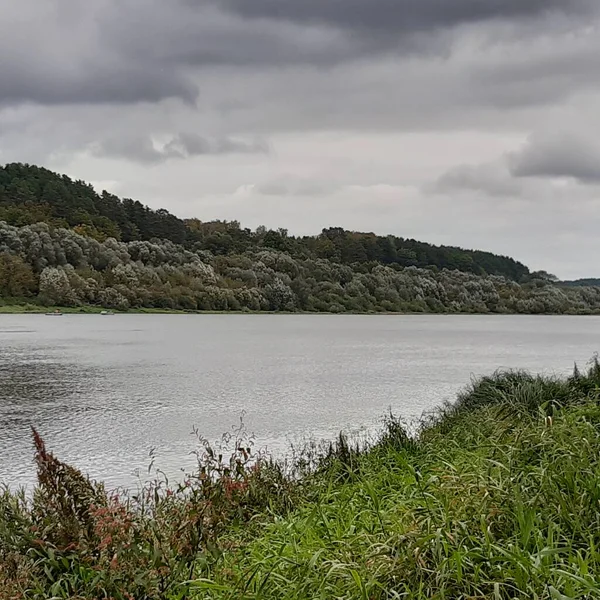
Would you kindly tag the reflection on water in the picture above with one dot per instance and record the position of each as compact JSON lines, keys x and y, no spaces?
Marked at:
{"x":103,"y":392}
{"x":26,"y":384}
{"x":35,"y":388}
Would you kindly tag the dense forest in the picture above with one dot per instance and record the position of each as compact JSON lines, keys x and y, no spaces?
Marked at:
{"x":30,"y":194}
{"x":61,"y":243}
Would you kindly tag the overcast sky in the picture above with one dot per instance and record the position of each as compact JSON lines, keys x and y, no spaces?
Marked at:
{"x":464,"y":122}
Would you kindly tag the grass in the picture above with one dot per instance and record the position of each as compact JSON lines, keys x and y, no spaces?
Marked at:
{"x":30,"y":308}
{"x":35,"y":309}
{"x":495,"y":496}
{"x":30,"y":305}
{"x":499,"y":497}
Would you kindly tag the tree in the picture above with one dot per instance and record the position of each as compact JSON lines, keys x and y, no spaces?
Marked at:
{"x":55,"y":288}
{"x":16,"y":277}
{"x":544,"y":276}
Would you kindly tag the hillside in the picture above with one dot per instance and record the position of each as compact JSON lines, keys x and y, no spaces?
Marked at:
{"x":62,"y":244}
{"x":30,"y":194}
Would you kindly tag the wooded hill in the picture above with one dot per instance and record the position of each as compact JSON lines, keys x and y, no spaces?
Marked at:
{"x":30,"y":194}
{"x":63,"y":244}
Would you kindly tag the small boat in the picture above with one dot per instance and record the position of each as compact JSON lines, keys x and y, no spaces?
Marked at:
{"x":56,"y":313}
{"x":107,"y":312}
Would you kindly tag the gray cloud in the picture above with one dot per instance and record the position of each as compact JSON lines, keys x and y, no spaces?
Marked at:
{"x":143,"y":149}
{"x":365,"y":102}
{"x":397,"y":17}
{"x":132,"y":51}
{"x":85,"y":84}
{"x":558,"y":155}
{"x":519,"y":174}
{"x":492,"y":179}
{"x":191,"y":144}
{"x":288,"y":185}
{"x":74,"y":57}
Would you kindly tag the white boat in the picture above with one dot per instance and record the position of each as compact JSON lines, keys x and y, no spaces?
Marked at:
{"x":56,"y":313}
{"x":107,"y":312}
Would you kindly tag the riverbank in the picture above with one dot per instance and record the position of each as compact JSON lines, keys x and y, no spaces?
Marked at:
{"x":79,"y":310}
{"x":19,"y":309}
{"x":496,"y":496}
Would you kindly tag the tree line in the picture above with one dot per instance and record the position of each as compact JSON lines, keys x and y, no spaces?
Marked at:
{"x":61,"y":243}
{"x":58,"y":266}
{"x":30,"y":194}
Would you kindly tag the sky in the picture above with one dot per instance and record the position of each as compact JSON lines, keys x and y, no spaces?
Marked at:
{"x":464,"y":122}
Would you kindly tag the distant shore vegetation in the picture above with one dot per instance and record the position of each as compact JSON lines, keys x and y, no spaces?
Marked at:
{"x":62,"y":244}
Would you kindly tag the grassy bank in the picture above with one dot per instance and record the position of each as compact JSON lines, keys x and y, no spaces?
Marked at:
{"x":496,"y":496}
{"x":92,"y":309}
{"x":28,"y":308}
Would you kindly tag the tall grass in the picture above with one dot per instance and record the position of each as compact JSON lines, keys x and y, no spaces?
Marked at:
{"x":495,"y":496}
{"x":498,"y":496}
{"x":72,"y":539}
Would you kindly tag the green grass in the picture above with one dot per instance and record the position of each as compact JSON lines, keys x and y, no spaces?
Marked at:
{"x":24,"y":307}
{"x":495,"y":496}
{"x":35,"y":309}
{"x":498,"y":498}
{"x":28,"y":308}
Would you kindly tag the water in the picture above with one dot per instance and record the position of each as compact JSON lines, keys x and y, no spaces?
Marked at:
{"x":104,"y":391}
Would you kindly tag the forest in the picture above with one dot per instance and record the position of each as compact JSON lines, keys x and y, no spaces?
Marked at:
{"x":63,"y":244}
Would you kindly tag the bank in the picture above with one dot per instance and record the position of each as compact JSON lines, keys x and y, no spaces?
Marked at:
{"x":495,"y":496}
{"x":29,"y":308}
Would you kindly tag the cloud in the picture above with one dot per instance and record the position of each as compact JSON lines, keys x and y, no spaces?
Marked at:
{"x":554,"y":156}
{"x":76,"y":59}
{"x":190,"y":144}
{"x":145,"y":149}
{"x":558,"y":155}
{"x":288,"y":185}
{"x":133,"y":51}
{"x":492,"y":179}
{"x":147,"y":51}
{"x":397,"y":17}
{"x":398,"y":116}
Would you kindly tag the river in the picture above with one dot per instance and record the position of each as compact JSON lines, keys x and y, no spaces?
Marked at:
{"x":105,"y":391}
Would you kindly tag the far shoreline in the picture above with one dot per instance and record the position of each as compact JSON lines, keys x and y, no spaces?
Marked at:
{"x":98,"y":310}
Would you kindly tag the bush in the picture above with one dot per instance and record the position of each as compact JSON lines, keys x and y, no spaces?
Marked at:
{"x":73,"y":539}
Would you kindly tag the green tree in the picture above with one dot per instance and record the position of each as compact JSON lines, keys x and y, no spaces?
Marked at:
{"x":16,"y":277}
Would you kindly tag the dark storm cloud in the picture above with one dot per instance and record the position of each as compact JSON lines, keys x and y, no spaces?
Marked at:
{"x":138,"y":51}
{"x":133,"y":51}
{"x":118,"y":85}
{"x":64,"y":52}
{"x":561,"y":155}
{"x":398,"y":16}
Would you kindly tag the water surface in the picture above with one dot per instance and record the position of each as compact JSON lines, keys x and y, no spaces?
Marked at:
{"x":105,"y":390}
